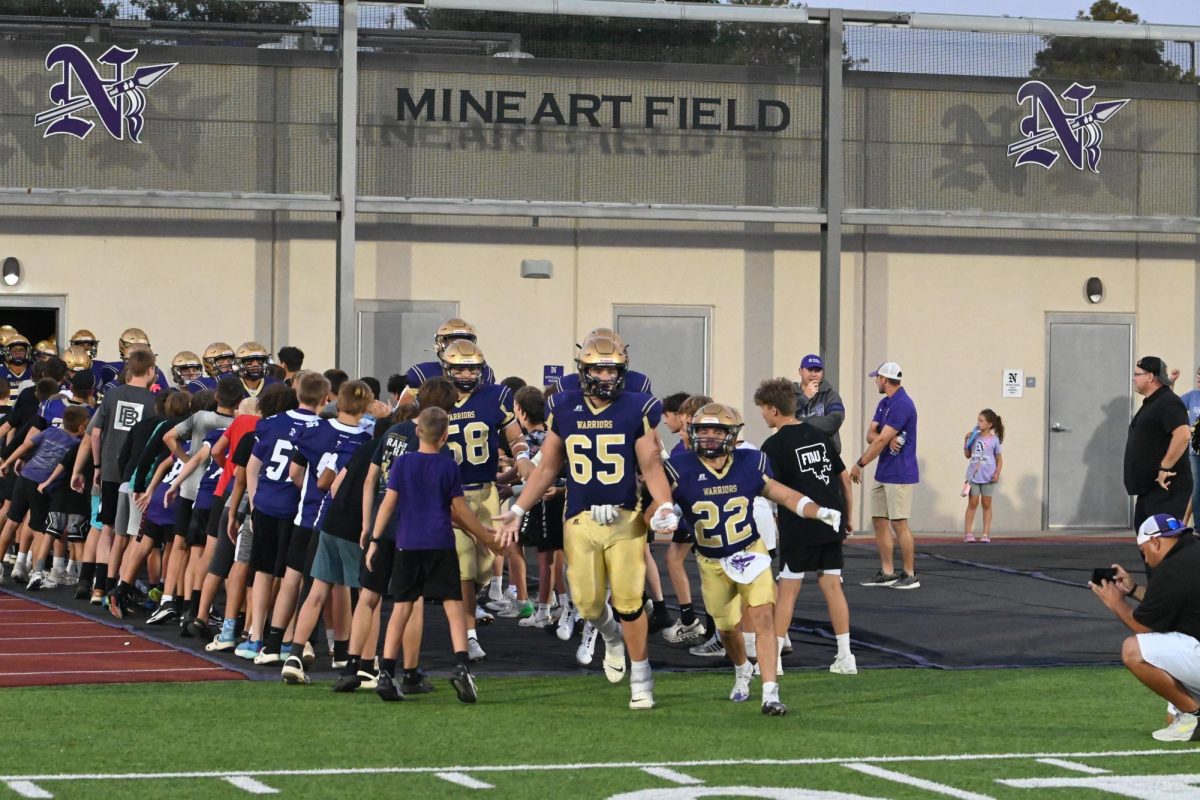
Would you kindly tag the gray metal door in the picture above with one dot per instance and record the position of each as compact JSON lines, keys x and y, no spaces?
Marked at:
{"x":395,"y":334}
{"x":1089,"y":392}
{"x":670,"y":344}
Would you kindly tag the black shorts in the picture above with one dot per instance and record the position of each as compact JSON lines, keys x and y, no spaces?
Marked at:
{"x":63,"y":525}
{"x":183,"y":515}
{"x":542,"y":527}
{"x":7,"y":484}
{"x":432,"y":574}
{"x":159,"y":534}
{"x":197,"y":535}
{"x":682,"y":535}
{"x":298,"y":557}
{"x":797,"y":556}
{"x":110,"y":496}
{"x":378,"y":578}
{"x":226,"y":553}
{"x":214,"y":517}
{"x":272,"y":537}
{"x":27,"y":499}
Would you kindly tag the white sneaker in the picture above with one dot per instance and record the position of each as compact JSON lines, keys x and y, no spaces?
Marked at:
{"x":474,"y":651}
{"x":1182,"y":729}
{"x":710,"y":649}
{"x":59,"y":577}
{"x":36,"y":580}
{"x":680,"y":633}
{"x":541,"y":619}
{"x":482,"y":616}
{"x":566,"y":625}
{"x":614,"y":661}
{"x":498,"y":607}
{"x":587,"y":647}
{"x":20,"y":573}
{"x":642,"y":694}
{"x":741,"y":683}
{"x":48,"y":580}
{"x":778,"y":667}
{"x":515,"y":609}
{"x":264,"y":657}
{"x":844,"y":665}
{"x":10,"y":558}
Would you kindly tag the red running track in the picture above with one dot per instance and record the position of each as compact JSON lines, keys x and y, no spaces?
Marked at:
{"x":43,"y":646}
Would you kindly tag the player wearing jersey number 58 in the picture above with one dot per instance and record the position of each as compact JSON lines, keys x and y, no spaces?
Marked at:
{"x":481,"y":414}
{"x":604,"y":435}
{"x":715,"y":486}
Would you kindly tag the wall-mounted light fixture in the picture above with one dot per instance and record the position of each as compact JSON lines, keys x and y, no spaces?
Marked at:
{"x":10,"y":274}
{"x":1094,"y":290}
{"x":537,"y":268}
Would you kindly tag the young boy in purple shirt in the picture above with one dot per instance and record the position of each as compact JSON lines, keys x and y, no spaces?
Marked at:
{"x":425,"y":492}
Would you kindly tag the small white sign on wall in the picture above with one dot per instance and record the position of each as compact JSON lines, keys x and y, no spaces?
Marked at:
{"x":1013,"y":384}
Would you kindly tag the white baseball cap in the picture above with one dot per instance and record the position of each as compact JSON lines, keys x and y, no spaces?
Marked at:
{"x":888,"y":369}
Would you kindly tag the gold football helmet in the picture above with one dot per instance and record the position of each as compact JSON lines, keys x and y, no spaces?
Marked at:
{"x":77,"y":358}
{"x":7,"y":332}
{"x":219,"y":359}
{"x":715,"y":415}
{"x":252,"y":360}
{"x":129,"y":337}
{"x":85,"y":339}
{"x":452,"y":330}
{"x":185,"y":366}
{"x":44,"y":350}
{"x":15,"y":343}
{"x":460,"y":354}
{"x":601,"y":352}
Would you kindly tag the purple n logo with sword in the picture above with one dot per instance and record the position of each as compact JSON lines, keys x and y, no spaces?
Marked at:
{"x":118,"y":101}
{"x":1076,"y":130}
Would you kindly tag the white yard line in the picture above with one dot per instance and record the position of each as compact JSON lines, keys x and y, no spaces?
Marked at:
{"x":463,"y":780}
{"x":920,"y":783}
{"x":476,"y":768}
{"x":1074,"y":766}
{"x":672,"y":776}
{"x":28,"y":789}
{"x":250,"y":785}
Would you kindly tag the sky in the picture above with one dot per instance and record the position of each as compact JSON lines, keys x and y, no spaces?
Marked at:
{"x":1162,"y":12}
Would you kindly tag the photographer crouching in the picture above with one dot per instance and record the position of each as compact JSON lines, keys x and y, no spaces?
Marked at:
{"x":1164,"y":653}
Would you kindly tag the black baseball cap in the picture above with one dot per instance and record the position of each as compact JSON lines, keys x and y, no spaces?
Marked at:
{"x":1155,"y":366}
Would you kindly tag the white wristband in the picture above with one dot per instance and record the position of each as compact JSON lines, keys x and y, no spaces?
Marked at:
{"x":516,"y":509}
{"x":520,"y":455}
{"x":804,"y":501}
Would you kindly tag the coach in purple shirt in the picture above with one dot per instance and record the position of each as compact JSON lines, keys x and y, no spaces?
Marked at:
{"x":892,"y":438}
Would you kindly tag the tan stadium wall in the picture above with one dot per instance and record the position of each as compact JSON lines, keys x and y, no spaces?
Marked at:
{"x":953,"y":321}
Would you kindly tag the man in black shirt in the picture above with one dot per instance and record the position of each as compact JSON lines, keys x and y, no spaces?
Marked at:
{"x":805,"y":459}
{"x":1157,"y":471}
{"x":1164,"y":653}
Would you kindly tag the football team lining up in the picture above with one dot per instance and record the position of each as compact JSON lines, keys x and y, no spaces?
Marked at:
{"x":143,"y":483}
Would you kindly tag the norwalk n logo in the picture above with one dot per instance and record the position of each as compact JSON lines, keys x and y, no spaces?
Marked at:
{"x":1066,"y":120}
{"x":118,"y":101}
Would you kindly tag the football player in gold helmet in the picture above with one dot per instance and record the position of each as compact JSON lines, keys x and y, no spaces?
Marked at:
{"x":44,"y":350}
{"x":219,"y":360}
{"x":252,"y":359}
{"x":604,"y":435}
{"x":185,"y":368}
{"x":112,"y":372}
{"x":449,"y":331}
{"x":637,"y":381}
{"x":17,"y":357}
{"x":87,"y":340}
{"x":77,"y":360}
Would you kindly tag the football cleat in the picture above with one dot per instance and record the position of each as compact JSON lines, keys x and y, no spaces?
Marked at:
{"x":587,"y":646}
{"x":685,"y":634}
{"x":614,"y":661}
{"x":641,"y":696}
{"x":774,"y":708}
{"x":464,"y":684}
{"x":741,"y":683}
{"x":566,"y":625}
{"x":710,"y":649}
{"x":483,"y":616}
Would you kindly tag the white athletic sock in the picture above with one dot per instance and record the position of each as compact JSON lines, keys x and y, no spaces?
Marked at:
{"x":72,"y":567}
{"x":640,"y":671}
{"x":770,"y":692}
{"x":166,"y":598}
{"x":496,"y":588}
{"x":60,"y":563}
{"x":751,"y":644}
{"x":843,"y":645}
{"x":564,"y":599}
{"x":23,"y":559}
{"x":471,"y":634}
{"x":608,"y":627}
{"x":782,"y":642}
{"x":543,"y":609}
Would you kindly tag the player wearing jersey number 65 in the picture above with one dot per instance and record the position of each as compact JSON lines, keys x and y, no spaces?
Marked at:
{"x":604,"y":435}
{"x":715,"y":486}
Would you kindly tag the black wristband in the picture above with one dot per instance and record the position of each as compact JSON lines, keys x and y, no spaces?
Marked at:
{"x":1131,"y":592}
{"x":859,"y":464}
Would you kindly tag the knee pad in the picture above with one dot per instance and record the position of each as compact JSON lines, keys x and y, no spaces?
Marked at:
{"x":628,"y":616}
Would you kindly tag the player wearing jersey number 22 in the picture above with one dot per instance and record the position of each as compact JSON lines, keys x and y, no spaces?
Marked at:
{"x":604,"y":435}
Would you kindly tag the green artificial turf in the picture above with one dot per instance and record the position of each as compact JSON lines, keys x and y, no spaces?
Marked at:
{"x":253,"y":726}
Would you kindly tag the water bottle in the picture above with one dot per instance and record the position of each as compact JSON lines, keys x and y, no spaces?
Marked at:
{"x":901,"y":438}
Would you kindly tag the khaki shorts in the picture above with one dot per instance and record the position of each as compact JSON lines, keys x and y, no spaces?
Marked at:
{"x":604,"y":556}
{"x":723,"y":596}
{"x":891,"y":500}
{"x":474,"y":559}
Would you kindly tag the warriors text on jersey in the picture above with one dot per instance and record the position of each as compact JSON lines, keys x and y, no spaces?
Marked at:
{"x":474,"y":433}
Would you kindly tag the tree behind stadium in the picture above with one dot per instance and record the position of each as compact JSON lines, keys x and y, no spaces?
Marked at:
{"x":225,"y":11}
